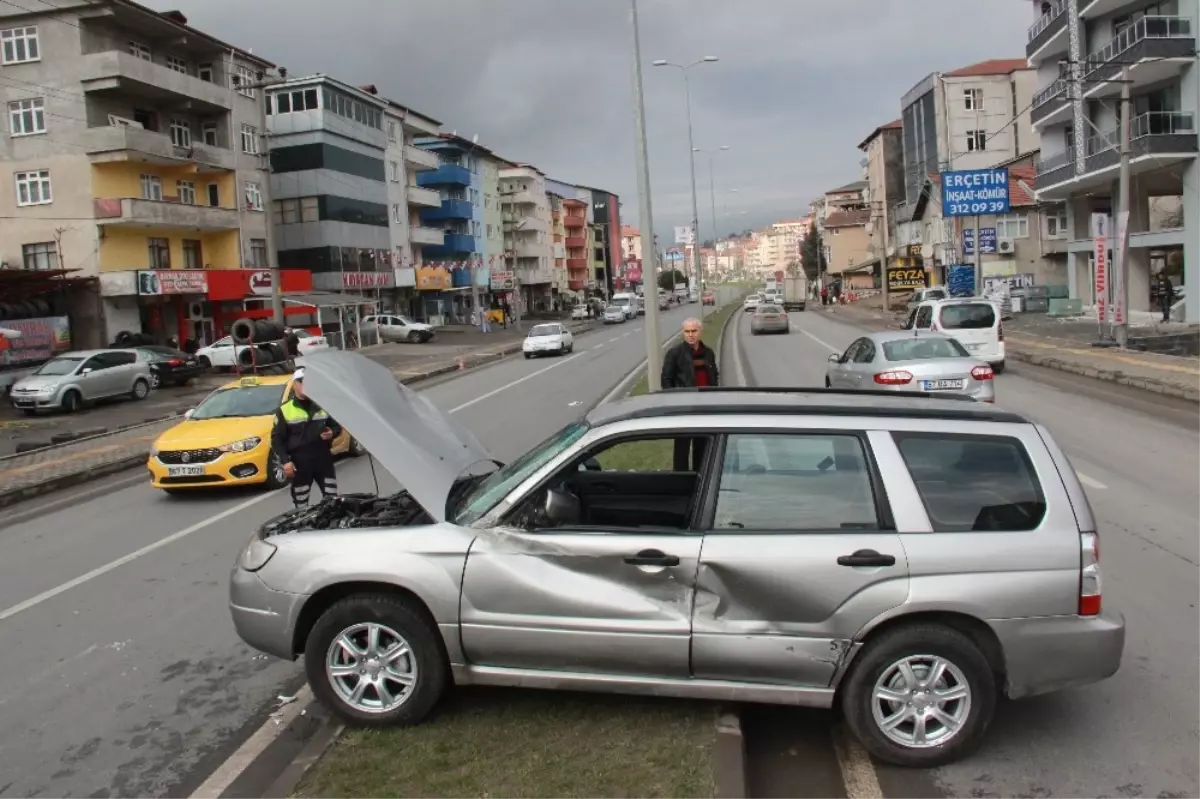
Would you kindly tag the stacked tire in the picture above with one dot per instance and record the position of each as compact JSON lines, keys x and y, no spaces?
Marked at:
{"x":126,"y":339}
{"x":251,"y":331}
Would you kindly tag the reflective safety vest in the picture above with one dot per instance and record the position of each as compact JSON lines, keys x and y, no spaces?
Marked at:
{"x":300,"y":429}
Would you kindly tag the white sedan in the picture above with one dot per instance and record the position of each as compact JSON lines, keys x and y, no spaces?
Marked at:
{"x":224,"y":354}
{"x":752,"y":302}
{"x":548,"y":339}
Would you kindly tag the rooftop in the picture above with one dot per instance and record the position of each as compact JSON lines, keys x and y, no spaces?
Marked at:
{"x":995,"y":66}
{"x":847,"y":218}
{"x":895,"y":124}
{"x":857,"y":185}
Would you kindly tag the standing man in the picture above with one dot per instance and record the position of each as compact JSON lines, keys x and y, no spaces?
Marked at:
{"x":303,"y":440}
{"x":690,"y":364}
{"x":1166,"y":295}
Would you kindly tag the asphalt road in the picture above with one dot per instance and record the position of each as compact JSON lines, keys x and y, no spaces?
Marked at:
{"x":126,"y":678}
{"x":1135,"y":734}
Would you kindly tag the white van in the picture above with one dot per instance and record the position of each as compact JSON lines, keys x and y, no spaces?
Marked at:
{"x":973,"y":322}
{"x":627,"y":303}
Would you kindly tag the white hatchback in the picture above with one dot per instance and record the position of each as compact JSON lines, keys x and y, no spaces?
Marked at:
{"x":973,"y":322}
{"x":548,"y":339}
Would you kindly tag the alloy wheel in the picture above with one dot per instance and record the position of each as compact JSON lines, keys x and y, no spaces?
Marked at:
{"x":921,"y":701}
{"x":371,"y":668}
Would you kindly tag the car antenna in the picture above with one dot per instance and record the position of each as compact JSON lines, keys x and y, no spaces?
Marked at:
{"x":375,"y":477}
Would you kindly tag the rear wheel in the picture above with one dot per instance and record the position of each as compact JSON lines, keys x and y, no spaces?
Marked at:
{"x":998,"y":367}
{"x":205,"y":363}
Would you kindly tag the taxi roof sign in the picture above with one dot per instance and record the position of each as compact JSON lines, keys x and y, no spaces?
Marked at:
{"x":249,"y":381}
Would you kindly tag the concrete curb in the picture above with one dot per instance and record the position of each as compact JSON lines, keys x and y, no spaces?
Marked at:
{"x":285,"y":784}
{"x":729,"y":758}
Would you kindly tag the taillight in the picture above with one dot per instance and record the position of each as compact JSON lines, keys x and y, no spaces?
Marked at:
{"x":896,"y":377}
{"x":175,"y":362}
{"x":1000,"y":331}
{"x":1089,"y":574}
{"x":982,"y":373}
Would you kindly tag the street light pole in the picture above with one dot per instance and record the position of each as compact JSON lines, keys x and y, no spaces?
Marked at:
{"x":712,"y":154}
{"x":645,"y":207}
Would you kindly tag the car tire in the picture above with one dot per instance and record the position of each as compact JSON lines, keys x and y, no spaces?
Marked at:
{"x":528,"y":355}
{"x":141,"y":389}
{"x":919,"y":647}
{"x":72,"y":401}
{"x":396,"y":621}
{"x":205,"y":363}
{"x":998,"y":368}
{"x":414,"y":337}
{"x":155,"y":380}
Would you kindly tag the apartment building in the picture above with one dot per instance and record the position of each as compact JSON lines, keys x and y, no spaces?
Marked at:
{"x":134,"y":146}
{"x":883,"y":170}
{"x":1080,"y":50}
{"x":606,"y":238}
{"x":406,"y":200}
{"x":577,"y":240}
{"x":526,"y":220}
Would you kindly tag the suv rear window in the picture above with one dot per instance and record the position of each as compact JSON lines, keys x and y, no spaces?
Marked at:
{"x":973,"y":483}
{"x":968,"y":316}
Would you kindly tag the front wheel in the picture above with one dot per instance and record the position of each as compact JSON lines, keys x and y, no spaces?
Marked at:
{"x":414,"y":337}
{"x":141,"y":389}
{"x":375,"y":661}
{"x":920,"y":696}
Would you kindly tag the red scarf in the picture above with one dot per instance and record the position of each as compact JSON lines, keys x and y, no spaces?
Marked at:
{"x":700,"y":365}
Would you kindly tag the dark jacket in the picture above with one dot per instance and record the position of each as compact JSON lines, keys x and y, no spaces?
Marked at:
{"x":678,"y":371}
{"x":293,"y":343}
{"x":298,"y":427}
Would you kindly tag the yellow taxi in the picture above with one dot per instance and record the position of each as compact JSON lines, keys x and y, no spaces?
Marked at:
{"x":226,"y":439}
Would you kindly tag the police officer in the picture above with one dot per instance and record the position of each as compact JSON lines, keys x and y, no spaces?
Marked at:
{"x":303,"y":439}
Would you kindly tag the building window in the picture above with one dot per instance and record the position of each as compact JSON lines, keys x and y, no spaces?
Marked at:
{"x":139,"y":50}
{"x":976,"y":140}
{"x":214,"y":195}
{"x":254,"y":200}
{"x":287,"y":212}
{"x":1012,"y":226}
{"x":181,"y":133}
{"x":205,"y":73}
{"x":178,"y":64}
{"x":20,"y":45}
{"x":208,"y":132}
{"x":258,"y":253}
{"x":191,"y":255}
{"x":391,"y":131}
{"x":1056,"y":223}
{"x":187,"y":191}
{"x":33,"y":188}
{"x":396,"y":218}
{"x":394,"y":171}
{"x":244,"y":81}
{"x":27,"y":117}
{"x":151,"y":187}
{"x":310,"y":209}
{"x":160,"y":253}
{"x":250,"y":139}
{"x":40,"y":256}
{"x":973,"y":99}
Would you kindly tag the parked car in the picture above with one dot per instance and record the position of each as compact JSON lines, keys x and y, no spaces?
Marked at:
{"x":73,"y":379}
{"x":579,"y":312}
{"x":614,"y":315}
{"x":550,"y":338}
{"x":169,"y":366}
{"x":923,"y":295}
{"x":905,"y":558}
{"x":310,"y":342}
{"x":769,"y":319}
{"x":899,"y":361}
{"x":974,"y":323}
{"x":398,"y":327}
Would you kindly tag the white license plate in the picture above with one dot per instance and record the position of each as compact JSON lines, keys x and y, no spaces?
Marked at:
{"x":185,"y":471}
{"x":941,"y":385}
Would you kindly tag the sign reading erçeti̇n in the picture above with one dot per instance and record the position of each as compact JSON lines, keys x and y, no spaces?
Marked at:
{"x":970,"y":192}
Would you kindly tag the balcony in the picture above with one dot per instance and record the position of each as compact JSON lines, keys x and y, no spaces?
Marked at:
{"x":574,"y":222}
{"x":420,"y":159}
{"x":115,"y":71}
{"x":577,"y":283}
{"x":134,"y":212}
{"x":424,"y":197}
{"x":427,"y":236}
{"x":577,"y":263}
{"x":110,"y":143}
{"x":1055,"y":169}
{"x":1154,"y":48}
{"x":535,"y":276}
{"x":528,"y":249}
{"x":1051,"y":104}
{"x":445,"y":175}
{"x":529,"y":224}
{"x":1049,"y":36}
{"x":521,"y":198}
{"x":576,"y":242}
{"x":455,"y":245}
{"x":448,"y":209}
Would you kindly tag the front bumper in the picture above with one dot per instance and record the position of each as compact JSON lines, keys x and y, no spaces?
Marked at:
{"x":264,"y":618}
{"x":1048,"y":654}
{"x":230,"y":469}
{"x":34,"y":401}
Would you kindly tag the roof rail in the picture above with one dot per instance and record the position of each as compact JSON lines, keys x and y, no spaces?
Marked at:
{"x":818,"y":390}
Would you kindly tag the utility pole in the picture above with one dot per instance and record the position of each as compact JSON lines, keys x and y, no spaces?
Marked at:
{"x":645,"y":207}
{"x":512,"y":226}
{"x":712,"y":193}
{"x":883,"y":258}
{"x":978,"y":259}
{"x":265,"y":159}
{"x":1121,"y":301}
{"x":687,"y":91}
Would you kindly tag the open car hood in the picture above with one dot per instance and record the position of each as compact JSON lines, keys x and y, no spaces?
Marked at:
{"x":423,"y":448}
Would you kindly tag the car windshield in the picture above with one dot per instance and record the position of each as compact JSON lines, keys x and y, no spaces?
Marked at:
{"x":544,"y":330}
{"x":620,"y":301}
{"x":769,"y":309}
{"x":238,"y":401}
{"x":499,"y":483}
{"x":612,"y":309}
{"x":923,"y":349}
{"x":58,"y":366}
{"x":968,"y":316}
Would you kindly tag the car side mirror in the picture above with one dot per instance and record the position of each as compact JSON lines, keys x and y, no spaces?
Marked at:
{"x":591,"y":465}
{"x":85,"y":370}
{"x":562,"y":508}
{"x":835,"y":358}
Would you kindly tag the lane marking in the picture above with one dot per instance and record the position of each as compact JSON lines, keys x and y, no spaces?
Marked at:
{"x":516,"y":382}
{"x":858,"y":772}
{"x":1090,"y":482}
{"x":824,"y":344}
{"x":237,"y":763}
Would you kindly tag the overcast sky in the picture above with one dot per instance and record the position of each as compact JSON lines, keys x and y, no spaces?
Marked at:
{"x":800,"y":82}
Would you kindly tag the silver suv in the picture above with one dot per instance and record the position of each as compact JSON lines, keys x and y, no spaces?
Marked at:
{"x":904,"y":557}
{"x":69,"y":380}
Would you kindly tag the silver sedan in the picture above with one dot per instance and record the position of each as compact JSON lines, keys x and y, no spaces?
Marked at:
{"x":901,"y":361}
{"x":769,"y":319}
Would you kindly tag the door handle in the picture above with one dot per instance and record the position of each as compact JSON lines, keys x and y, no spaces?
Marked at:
{"x":604,"y":486}
{"x":652,"y":557}
{"x":866,"y":557}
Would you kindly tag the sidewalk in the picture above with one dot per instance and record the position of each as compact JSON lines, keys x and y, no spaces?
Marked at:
{"x":1068,"y":351}
{"x":119,"y":435}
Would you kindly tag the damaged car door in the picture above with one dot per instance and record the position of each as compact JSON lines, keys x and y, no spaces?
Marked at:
{"x":799,"y":554}
{"x":580,"y":576}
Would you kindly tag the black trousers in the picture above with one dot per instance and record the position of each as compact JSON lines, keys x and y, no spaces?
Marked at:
{"x":696,"y":446}
{"x":313,"y":467}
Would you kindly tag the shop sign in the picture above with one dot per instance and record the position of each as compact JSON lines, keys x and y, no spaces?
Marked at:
{"x":905,"y":278}
{"x":1100,"y":265}
{"x":971,"y":192}
{"x":432,"y":278}
{"x":234,"y":285}
{"x":503,"y":279}
{"x":41,"y":338}
{"x":987,"y":240}
{"x":1022,"y":281}
{"x":260,"y":283}
{"x":406,"y":276}
{"x":158,"y":282}
{"x":368,"y":280}
{"x":960,"y":280}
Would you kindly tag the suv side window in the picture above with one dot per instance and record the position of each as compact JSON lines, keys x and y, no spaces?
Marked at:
{"x":795,"y":483}
{"x":973,"y":483}
{"x":95,"y":363}
{"x":924,"y":316}
{"x":119,"y":358}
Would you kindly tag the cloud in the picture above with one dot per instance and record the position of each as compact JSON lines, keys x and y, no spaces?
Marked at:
{"x":798,"y":85}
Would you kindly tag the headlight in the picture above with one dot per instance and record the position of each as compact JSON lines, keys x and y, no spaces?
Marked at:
{"x":153,"y":450}
{"x":47,"y":389}
{"x":256,"y":554}
{"x":245,"y":445}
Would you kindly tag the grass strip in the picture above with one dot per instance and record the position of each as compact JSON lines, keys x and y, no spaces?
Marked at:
{"x":714,"y":328}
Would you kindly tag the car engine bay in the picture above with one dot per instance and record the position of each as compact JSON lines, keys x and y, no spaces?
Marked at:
{"x":350,"y":511}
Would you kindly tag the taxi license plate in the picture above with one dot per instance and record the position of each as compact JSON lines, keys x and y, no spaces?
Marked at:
{"x":185,"y":471}
{"x":941,"y":385}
